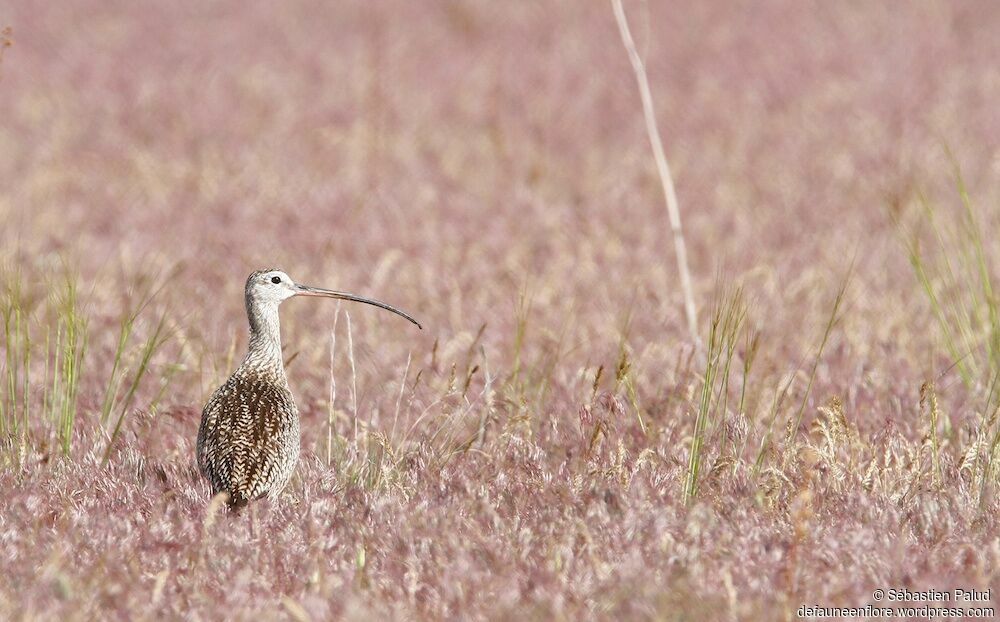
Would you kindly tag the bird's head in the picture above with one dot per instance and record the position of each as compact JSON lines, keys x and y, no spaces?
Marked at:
{"x":269,"y":288}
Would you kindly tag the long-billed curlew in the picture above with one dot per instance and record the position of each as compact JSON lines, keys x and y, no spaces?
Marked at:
{"x":248,"y":441}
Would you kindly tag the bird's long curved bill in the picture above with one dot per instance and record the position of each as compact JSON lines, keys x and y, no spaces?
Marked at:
{"x":306,"y":290}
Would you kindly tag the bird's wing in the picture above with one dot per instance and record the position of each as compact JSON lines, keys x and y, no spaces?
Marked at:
{"x":249,"y":438}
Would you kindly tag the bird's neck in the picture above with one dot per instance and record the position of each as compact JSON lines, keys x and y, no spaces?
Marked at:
{"x":264,"y":348}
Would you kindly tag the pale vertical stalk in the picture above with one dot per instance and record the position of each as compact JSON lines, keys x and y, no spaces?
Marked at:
{"x":666,"y":180}
{"x":354,"y":378}
{"x":399,"y":399}
{"x":333,"y":390}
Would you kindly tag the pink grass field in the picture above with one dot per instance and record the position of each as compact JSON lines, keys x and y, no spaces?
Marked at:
{"x":484,"y":165}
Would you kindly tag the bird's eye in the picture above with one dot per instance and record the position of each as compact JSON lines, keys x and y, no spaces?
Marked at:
{"x":275,"y":279}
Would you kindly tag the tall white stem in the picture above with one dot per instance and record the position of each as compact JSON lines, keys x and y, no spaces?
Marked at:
{"x":673,"y":209}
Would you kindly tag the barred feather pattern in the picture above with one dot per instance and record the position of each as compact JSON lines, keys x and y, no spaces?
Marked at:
{"x":248,"y":440}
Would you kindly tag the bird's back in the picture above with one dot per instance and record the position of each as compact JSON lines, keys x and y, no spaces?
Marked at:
{"x":248,"y":441}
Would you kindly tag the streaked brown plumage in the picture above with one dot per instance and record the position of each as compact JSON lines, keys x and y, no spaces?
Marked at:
{"x":248,"y":441}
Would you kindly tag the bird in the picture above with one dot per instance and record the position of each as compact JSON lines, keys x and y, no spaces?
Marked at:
{"x":248,"y":439}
